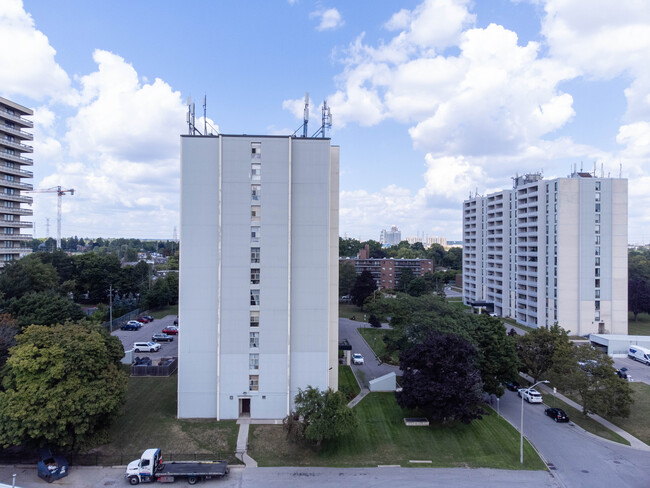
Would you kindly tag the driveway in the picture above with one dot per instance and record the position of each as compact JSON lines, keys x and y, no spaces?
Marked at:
{"x":577,"y":458}
{"x":372,"y":367}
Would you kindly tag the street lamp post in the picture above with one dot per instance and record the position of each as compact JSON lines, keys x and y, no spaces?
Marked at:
{"x":521,"y":430}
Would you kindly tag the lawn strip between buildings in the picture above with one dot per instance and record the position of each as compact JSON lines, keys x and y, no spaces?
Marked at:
{"x":375,"y":339}
{"x":149,"y":420}
{"x":637,"y":423}
{"x":640,"y":326}
{"x":383,"y":439}
{"x":347,"y":381}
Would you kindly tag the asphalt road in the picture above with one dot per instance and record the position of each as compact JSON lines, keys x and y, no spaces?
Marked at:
{"x":577,"y":459}
{"x":128,"y":337}
{"x":372,"y":367}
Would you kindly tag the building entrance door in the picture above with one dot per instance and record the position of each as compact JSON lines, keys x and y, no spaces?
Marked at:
{"x":244,"y":407}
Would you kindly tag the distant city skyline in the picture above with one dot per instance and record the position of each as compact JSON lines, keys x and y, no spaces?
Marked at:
{"x":432,"y":100}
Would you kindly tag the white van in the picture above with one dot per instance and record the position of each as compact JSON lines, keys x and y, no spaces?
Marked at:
{"x":639,"y":353}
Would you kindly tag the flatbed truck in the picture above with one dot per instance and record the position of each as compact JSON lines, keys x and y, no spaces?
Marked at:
{"x":151,"y":468}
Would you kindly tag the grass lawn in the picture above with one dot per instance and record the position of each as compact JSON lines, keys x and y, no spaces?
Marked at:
{"x":514,"y":322}
{"x":375,"y":339}
{"x":347,"y":310}
{"x":639,"y":327}
{"x":159,"y":313}
{"x":458,"y":303}
{"x":382,"y":438}
{"x":347,"y":382}
{"x":587,"y":423}
{"x":149,"y":420}
{"x":637,"y":423}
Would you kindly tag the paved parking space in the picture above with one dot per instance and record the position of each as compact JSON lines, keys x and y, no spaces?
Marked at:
{"x":168,"y":349}
{"x":638,"y":371}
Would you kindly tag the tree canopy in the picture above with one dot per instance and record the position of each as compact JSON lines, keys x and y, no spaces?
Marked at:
{"x":43,"y":308}
{"x":61,"y":385}
{"x":320,"y":416}
{"x":441,"y":378}
{"x":364,"y":286}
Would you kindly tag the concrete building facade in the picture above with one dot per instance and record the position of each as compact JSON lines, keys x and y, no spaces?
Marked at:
{"x":13,"y":180}
{"x":390,"y":237}
{"x":550,"y":251}
{"x":258,"y":306}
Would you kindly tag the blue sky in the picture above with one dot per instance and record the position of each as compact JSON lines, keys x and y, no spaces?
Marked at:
{"x":431,"y":99}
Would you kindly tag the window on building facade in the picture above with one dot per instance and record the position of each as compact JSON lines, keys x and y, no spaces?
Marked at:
{"x":597,"y":293}
{"x":255,"y":319}
{"x":597,"y":282}
{"x":255,"y":234}
{"x":597,"y":304}
{"x":254,"y":361}
{"x":256,"y":192}
{"x":256,"y":171}
{"x":597,"y":272}
{"x":253,"y":382}
{"x":597,"y":315}
{"x":598,"y":196}
{"x":255,"y":254}
{"x":255,"y":297}
{"x":597,"y":218}
{"x":597,"y":229}
{"x":597,"y":250}
{"x":597,"y":207}
{"x":256,"y":212}
{"x":254,"y":340}
{"x":598,"y":186}
{"x":255,"y":276}
{"x":597,"y":261}
{"x":597,"y":240}
{"x":256,"y":150}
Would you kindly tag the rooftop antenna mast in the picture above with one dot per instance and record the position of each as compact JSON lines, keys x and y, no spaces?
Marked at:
{"x":191,"y":118}
{"x":305,"y":115}
{"x":326,"y":120}
{"x":205,"y":115}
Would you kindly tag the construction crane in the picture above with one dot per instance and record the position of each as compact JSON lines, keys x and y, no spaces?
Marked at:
{"x":60,"y":191}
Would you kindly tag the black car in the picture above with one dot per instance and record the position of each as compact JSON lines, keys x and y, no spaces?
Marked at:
{"x":148,"y":317}
{"x":622,"y":373}
{"x":513,"y":386}
{"x":129,"y":327}
{"x":557,"y":414}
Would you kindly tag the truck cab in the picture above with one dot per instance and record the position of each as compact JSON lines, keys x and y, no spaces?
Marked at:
{"x":143,"y":469}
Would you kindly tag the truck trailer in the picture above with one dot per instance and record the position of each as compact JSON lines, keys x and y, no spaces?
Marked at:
{"x":150,"y":467}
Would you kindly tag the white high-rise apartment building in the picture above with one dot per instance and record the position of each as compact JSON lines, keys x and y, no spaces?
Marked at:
{"x":550,"y":251}
{"x":13,"y":180}
{"x":390,"y":237}
{"x":258,"y":273}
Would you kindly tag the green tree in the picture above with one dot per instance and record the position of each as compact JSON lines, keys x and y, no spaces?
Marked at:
{"x":497,"y":355}
{"x":363,"y":287}
{"x":43,"y":308}
{"x":320,"y":416}
{"x":437,"y":253}
{"x":347,"y":277}
{"x":537,"y":348}
{"x":62,"y":384}
{"x":417,"y":287}
{"x":96,"y":272}
{"x":28,"y":274}
{"x":8,"y":331}
{"x":349,"y":248}
{"x":441,"y":378}
{"x":638,"y":284}
{"x":405,"y":277}
{"x":590,"y":373}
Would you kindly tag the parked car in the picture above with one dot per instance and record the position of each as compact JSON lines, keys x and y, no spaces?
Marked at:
{"x":513,"y":386}
{"x":130,"y":327}
{"x":623,"y":374}
{"x":170,"y":329}
{"x":531,"y":395}
{"x":161,"y":337}
{"x":639,"y":353}
{"x":142,"y":320}
{"x":357,"y":358}
{"x":146,"y":347}
{"x":557,"y":414}
{"x":176,"y":321}
{"x":148,"y":317}
{"x":134,"y":322}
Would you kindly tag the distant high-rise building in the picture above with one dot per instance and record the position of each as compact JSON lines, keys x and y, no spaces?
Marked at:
{"x":549,"y":252}
{"x":390,"y":237}
{"x":12,"y":179}
{"x":426,"y":241}
{"x":259,"y":304}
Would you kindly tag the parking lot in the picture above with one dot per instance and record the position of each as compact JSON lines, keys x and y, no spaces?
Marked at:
{"x":168,"y":349}
{"x":638,"y":371}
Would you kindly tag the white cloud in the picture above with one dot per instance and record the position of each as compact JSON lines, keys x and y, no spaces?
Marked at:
{"x":330,"y":19}
{"x":27,"y":65}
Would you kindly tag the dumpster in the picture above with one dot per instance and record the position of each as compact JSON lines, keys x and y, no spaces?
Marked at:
{"x":52,"y":467}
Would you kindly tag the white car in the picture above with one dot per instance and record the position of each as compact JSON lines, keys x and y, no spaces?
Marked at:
{"x":531,"y":395}
{"x":146,"y":347}
{"x":357,"y":358}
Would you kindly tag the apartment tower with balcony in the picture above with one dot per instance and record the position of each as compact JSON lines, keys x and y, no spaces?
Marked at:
{"x":258,"y":274}
{"x":13,"y":180}
{"x":549,"y":252}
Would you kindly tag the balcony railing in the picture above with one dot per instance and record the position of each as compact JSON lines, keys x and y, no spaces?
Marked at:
{"x":15,"y":211}
{"x":4,"y":154}
{"x":16,"y":198}
{"x":21,"y":147}
{"x":16,"y":118}
{"x":15,"y":171}
{"x":15,"y":237}
{"x":15,"y":184}
{"x":11,"y":130}
{"x":14,"y":250}
{"x":16,"y":223}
